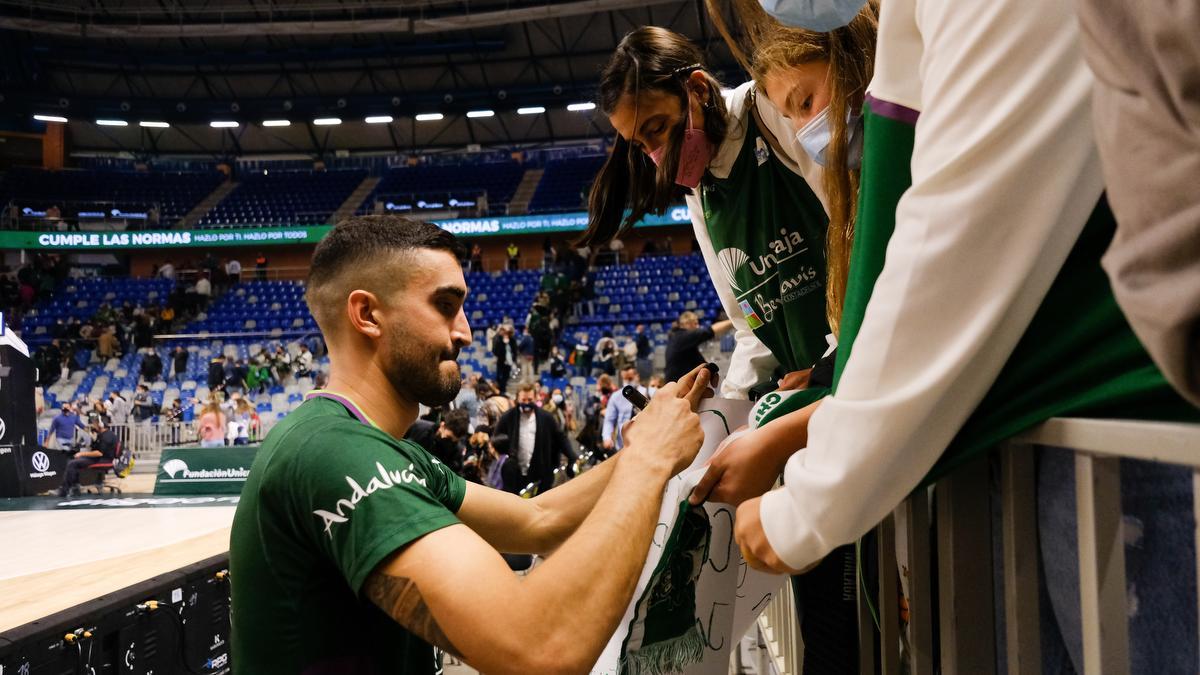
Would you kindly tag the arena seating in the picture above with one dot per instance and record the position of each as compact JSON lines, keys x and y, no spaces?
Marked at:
{"x":256,"y":315}
{"x":82,"y":298}
{"x":258,"y":306}
{"x":498,"y":179}
{"x":564,"y":183}
{"x":176,"y":193}
{"x":284,"y":198}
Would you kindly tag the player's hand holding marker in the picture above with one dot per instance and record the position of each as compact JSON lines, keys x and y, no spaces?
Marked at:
{"x":669,"y":426}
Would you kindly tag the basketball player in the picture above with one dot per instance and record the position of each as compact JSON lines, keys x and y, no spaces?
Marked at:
{"x":354,"y":551}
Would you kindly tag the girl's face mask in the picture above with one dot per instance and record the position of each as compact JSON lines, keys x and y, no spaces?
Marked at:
{"x":816,"y":136}
{"x":694,"y":153}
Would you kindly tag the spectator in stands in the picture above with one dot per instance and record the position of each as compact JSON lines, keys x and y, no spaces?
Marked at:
{"x":240,"y":372}
{"x":614,"y":250}
{"x":103,"y":449}
{"x":216,"y":373}
{"x":107,"y":345}
{"x":258,"y":374}
{"x":656,"y":382}
{"x":179,"y":364}
{"x":449,"y":445}
{"x":539,"y":442}
{"x":62,"y":428}
{"x":233,"y":270}
{"x":143,"y":332}
{"x":143,"y":405}
{"x":304,"y":361}
{"x":476,"y":258}
{"x":117,"y":408}
{"x":619,"y":411}
{"x":645,"y":353}
{"x":211,"y":426}
{"x":493,"y":404}
{"x":514,"y":256}
{"x":239,"y":421}
{"x":558,"y":365}
{"x":593,"y":414}
{"x":203,"y":291}
{"x":167,"y":271}
{"x":501,"y":473}
{"x":683,"y":343}
{"x":581,"y":357}
{"x":504,"y":348}
{"x":152,"y":366}
{"x":260,"y":266}
{"x":468,"y":400}
{"x":527,"y":352}
{"x":606,"y":351}
{"x":555,"y":405}
{"x":281,"y":364}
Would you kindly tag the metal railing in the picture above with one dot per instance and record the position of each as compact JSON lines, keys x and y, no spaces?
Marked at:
{"x":965,"y":620}
{"x":146,"y":440}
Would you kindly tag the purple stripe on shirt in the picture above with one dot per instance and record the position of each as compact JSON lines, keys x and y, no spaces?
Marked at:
{"x":893,"y":111}
{"x":344,"y":401}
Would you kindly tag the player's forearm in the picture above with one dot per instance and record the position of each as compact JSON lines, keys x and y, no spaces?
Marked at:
{"x":597,"y":569}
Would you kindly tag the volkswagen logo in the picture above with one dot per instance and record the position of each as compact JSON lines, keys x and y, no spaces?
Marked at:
{"x":3,"y":429}
{"x":40,"y":461}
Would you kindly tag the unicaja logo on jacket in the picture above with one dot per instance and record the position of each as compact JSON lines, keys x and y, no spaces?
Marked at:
{"x":732,"y":260}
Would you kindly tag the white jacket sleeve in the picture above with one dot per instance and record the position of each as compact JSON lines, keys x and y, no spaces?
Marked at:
{"x":751,"y":362}
{"x":1005,"y":174}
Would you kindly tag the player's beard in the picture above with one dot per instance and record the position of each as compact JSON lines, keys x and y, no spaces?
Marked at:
{"x":427,"y":374}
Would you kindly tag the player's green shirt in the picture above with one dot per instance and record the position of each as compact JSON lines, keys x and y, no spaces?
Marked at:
{"x":328,"y":498}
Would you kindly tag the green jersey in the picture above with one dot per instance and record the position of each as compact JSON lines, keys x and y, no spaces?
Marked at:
{"x":768,"y":230}
{"x":328,"y":498}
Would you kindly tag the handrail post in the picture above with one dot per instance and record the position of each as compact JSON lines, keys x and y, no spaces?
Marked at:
{"x":1021,"y":611}
{"x":965,"y":571}
{"x":1101,"y":565}
{"x":920,"y":583}
{"x":889,"y":600}
{"x":866,"y":624}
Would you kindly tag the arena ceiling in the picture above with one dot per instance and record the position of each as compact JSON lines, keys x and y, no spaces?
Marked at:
{"x":191,"y":63}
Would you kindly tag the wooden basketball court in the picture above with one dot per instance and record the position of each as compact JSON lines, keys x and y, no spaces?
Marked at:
{"x":59,"y":553}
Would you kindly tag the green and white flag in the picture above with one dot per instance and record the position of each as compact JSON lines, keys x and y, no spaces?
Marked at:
{"x":696,"y":597}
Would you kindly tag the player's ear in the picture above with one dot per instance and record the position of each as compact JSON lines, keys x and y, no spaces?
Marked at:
{"x":362,"y":310}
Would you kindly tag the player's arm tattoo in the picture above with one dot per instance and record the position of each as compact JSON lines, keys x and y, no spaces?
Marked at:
{"x":400,"y":598}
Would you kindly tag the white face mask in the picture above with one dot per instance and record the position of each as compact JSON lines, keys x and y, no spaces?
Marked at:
{"x":816,"y":136}
{"x":819,"y":15}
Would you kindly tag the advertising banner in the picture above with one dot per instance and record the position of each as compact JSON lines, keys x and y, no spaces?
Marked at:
{"x":302,"y":234}
{"x":204,"y":471}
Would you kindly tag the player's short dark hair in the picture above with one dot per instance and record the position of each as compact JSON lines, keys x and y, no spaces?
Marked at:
{"x":363,"y":239}
{"x":365,"y":243}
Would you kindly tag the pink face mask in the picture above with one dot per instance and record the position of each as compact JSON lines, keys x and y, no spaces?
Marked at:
{"x":694,"y":154}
